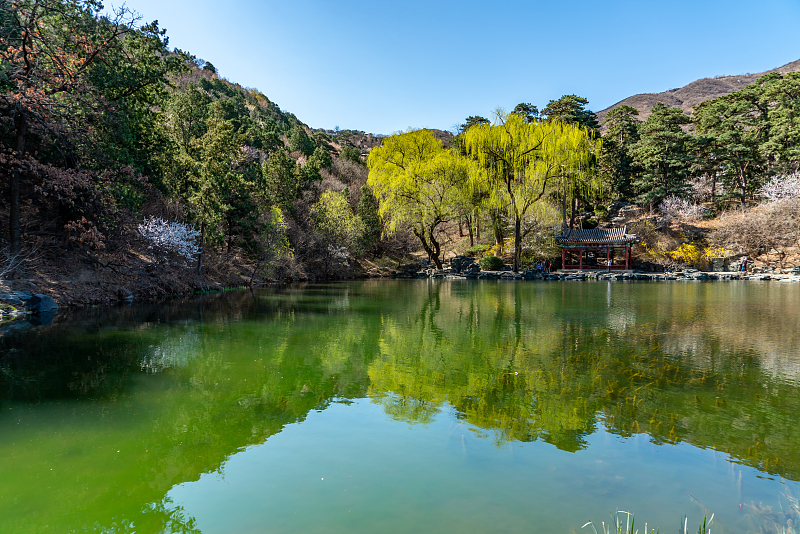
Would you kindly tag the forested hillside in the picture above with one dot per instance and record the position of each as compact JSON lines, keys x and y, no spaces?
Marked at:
{"x":133,"y":169}
{"x":141,"y":166}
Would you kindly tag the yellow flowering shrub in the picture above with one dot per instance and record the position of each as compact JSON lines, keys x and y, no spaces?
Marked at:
{"x":697,"y":254}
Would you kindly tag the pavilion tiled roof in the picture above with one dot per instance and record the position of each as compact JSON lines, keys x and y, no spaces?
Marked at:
{"x":597,"y":236}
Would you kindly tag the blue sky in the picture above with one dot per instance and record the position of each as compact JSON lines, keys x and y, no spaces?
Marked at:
{"x":386,"y":66}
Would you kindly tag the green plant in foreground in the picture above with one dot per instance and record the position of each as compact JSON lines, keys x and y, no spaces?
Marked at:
{"x":620,"y":525}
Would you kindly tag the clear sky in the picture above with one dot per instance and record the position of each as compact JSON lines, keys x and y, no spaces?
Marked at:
{"x":386,"y":66}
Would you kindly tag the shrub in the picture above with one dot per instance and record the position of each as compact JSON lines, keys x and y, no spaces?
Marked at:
{"x":772,"y":226}
{"x":477,"y":250}
{"x":697,"y":255}
{"x":491,"y":263}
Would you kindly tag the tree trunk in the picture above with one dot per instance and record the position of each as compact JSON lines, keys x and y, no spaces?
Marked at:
{"x":744,"y":189}
{"x":573,"y":208}
{"x":433,"y":255}
{"x":497,"y":226}
{"x":436,"y":251}
{"x":517,"y":242}
{"x":16,"y":177}
{"x":471,"y":232}
{"x":714,"y":187}
{"x":202,"y":248}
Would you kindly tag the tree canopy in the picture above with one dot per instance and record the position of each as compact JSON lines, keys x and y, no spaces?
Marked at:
{"x":522,"y":159}
{"x":419,"y":185}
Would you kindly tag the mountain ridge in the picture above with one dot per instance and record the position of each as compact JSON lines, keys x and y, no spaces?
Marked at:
{"x":693,"y":93}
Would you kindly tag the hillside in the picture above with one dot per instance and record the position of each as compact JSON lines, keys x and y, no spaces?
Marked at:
{"x":690,"y":95}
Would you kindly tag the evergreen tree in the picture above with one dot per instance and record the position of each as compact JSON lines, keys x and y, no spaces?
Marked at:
{"x":351,"y":153}
{"x":663,"y":153}
{"x":527,"y":110}
{"x":616,"y":158}
{"x":571,"y":109}
{"x":280,"y":180}
{"x":782,"y":147}
{"x":214,"y":176}
{"x":367,"y":211}
{"x":471,"y":121}
{"x":739,"y":125}
{"x":299,"y":141}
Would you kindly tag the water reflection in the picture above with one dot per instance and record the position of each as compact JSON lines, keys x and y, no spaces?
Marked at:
{"x":149,"y":397}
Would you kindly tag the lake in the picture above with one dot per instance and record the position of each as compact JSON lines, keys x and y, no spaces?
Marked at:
{"x":408,"y":406}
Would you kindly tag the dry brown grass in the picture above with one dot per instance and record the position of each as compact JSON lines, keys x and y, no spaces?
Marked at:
{"x":769,"y":232}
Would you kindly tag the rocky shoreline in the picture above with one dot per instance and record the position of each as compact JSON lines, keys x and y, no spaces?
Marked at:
{"x":24,"y":307}
{"x":464,"y":268}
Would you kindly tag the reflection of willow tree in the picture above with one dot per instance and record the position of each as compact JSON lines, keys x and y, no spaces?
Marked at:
{"x":531,"y":368}
{"x":464,"y":349}
{"x":228,"y":372}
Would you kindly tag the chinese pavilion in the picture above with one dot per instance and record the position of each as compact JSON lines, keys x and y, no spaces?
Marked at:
{"x":599,"y":248}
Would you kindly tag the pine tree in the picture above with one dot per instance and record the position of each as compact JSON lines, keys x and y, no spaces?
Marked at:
{"x":572,"y":109}
{"x":663,"y":153}
{"x":299,"y":141}
{"x":616,"y":158}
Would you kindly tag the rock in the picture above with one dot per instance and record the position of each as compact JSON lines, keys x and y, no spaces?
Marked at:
{"x":15,"y":298}
{"x":627,"y":212}
{"x":615,"y":206}
{"x":124,"y":295}
{"x":41,"y":303}
{"x":460,"y":264}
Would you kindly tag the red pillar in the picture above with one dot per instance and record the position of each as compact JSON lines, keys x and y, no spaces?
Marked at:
{"x":608,"y":257}
{"x":580,"y":266}
{"x":627,"y":258}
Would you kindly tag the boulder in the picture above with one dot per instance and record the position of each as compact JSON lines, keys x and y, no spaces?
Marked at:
{"x":15,"y":298}
{"x":41,"y":304}
{"x":460,"y":264}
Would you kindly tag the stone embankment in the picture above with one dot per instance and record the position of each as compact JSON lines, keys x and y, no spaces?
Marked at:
{"x":465,"y":268}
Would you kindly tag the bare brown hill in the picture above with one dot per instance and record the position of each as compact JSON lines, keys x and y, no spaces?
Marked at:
{"x":692,"y":94}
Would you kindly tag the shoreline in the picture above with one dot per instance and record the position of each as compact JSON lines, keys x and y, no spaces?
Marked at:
{"x":15,"y":311}
{"x":601,"y":275}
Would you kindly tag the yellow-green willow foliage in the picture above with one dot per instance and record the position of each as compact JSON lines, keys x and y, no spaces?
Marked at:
{"x":526,"y":161}
{"x":419,"y":185}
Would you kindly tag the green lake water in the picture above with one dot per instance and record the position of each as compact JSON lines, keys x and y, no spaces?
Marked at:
{"x":408,"y":406}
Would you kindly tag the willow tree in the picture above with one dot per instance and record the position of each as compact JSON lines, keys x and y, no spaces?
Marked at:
{"x":525,"y":160}
{"x":419,"y":185}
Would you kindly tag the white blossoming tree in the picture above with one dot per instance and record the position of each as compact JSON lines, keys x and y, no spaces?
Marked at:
{"x":170,"y":237}
{"x":781,"y":188}
{"x":676,"y":208}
